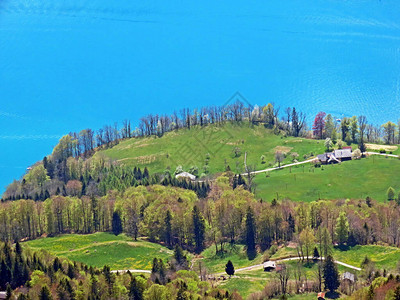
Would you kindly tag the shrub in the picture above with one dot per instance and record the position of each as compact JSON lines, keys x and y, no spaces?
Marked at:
{"x":273,"y":250}
{"x":266,"y":256}
{"x":356,"y":154}
{"x":178,"y":170}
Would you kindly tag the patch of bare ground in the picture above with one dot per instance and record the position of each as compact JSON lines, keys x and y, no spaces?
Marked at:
{"x":379,"y":147}
{"x":283,"y":149}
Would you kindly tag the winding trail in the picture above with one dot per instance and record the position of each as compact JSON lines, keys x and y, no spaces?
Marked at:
{"x":260,"y":266}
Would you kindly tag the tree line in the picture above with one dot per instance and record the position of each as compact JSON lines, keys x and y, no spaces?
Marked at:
{"x":357,"y":130}
{"x":175,"y":216}
{"x":91,"y":177}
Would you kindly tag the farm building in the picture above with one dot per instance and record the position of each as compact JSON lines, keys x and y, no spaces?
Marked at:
{"x":336,"y":156}
{"x":269,"y":266}
{"x":186,"y":175}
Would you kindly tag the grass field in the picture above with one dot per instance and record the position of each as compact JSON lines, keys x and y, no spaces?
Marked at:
{"x":99,"y":249}
{"x":237,"y":254}
{"x":189,"y":147}
{"x":352,"y":179}
{"x":251,"y":281}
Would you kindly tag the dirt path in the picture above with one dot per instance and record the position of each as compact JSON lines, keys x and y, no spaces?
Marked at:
{"x":282,"y":167}
{"x":381,"y":154}
{"x":310,"y":160}
{"x":132,"y":271}
{"x":260,"y":266}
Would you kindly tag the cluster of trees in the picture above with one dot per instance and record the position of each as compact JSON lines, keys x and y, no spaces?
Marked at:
{"x":38,"y":275}
{"x":89,"y":177}
{"x":354,"y":130}
{"x":172,"y":216}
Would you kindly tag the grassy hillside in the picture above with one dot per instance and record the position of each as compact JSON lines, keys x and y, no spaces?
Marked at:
{"x":385,"y":257}
{"x":216,"y":263}
{"x":352,"y":179}
{"x":190,"y":147}
{"x":99,"y":249}
{"x":248,"y":282}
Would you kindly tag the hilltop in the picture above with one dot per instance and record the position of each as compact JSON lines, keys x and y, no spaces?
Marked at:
{"x":211,"y":149}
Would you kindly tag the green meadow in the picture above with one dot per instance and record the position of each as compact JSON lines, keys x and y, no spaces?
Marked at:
{"x":237,"y":254}
{"x":250,"y":281}
{"x":99,"y":249}
{"x":190,"y":147}
{"x":370,"y":176}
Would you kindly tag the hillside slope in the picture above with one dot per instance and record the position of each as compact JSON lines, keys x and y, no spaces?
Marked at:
{"x":370,"y":176}
{"x":190,"y":148}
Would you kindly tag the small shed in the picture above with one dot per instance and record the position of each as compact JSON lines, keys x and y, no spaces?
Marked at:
{"x":269,"y":266}
{"x":3,"y":295}
{"x":186,"y":175}
{"x":347,"y":276}
{"x":321,"y":296}
{"x":323,"y":158}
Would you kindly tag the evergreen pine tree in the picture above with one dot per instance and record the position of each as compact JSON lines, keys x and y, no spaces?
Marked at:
{"x":316,"y":253}
{"x":116,"y":223}
{"x":56,"y":265}
{"x":146,"y":173}
{"x":250,"y":234}
{"x":342,"y":228}
{"x":5,"y":275}
{"x":45,"y":293}
{"x":331,"y":274}
{"x":168,"y":229}
{"x":229,"y":268}
{"x":71,"y":271}
{"x":95,"y":211}
{"x":136,"y":289}
{"x":198,"y":229}
{"x":94,"y":293}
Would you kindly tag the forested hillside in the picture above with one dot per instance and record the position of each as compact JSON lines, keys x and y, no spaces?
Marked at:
{"x":124,"y":181}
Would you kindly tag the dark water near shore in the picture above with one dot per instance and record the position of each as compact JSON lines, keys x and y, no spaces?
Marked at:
{"x":67,"y":65}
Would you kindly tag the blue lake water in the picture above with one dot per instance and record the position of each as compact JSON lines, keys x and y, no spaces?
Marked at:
{"x":69,"y":65}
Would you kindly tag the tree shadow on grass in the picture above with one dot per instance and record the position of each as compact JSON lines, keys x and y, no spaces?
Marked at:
{"x":332,"y":295}
{"x":251,"y":255}
{"x":343,"y":247}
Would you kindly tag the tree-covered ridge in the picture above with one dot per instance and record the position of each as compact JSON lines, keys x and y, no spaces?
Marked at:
{"x":90,"y":177}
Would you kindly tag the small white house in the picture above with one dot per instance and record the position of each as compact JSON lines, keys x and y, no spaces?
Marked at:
{"x":186,"y":175}
{"x":269,"y":266}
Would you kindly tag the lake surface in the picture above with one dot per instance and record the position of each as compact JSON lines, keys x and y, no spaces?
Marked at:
{"x":69,"y":65}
